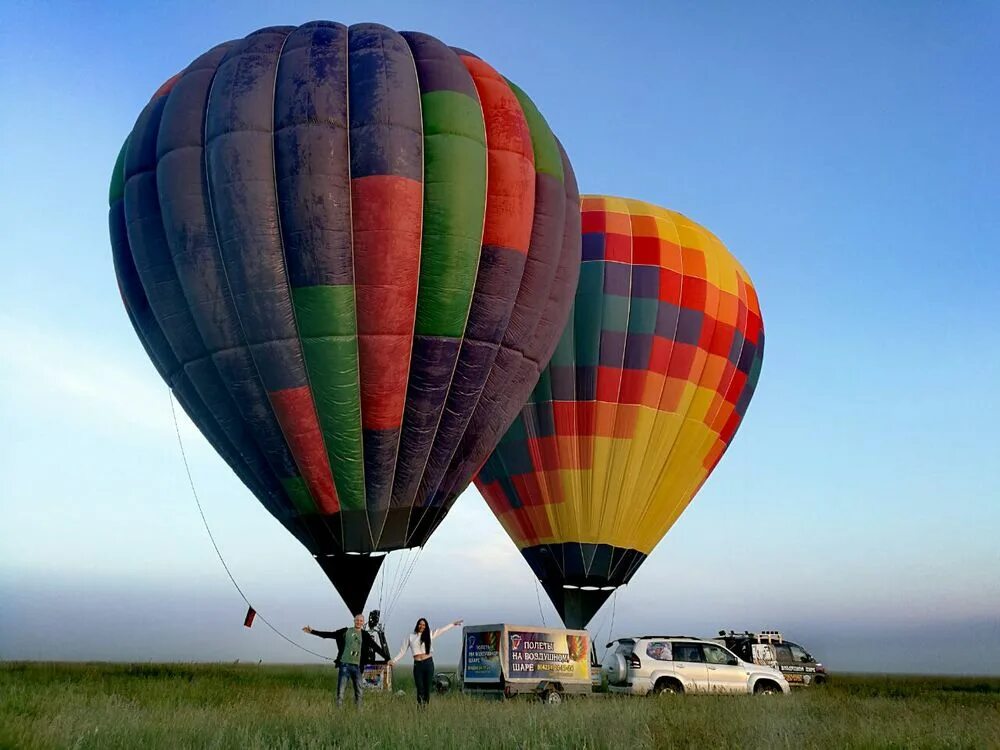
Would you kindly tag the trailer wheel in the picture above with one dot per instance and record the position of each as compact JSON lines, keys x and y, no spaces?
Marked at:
{"x":442,"y":683}
{"x":552,"y":696}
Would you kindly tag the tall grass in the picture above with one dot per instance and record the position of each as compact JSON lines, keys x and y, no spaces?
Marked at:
{"x":247,"y":707}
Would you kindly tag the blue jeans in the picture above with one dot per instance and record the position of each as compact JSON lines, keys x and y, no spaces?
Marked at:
{"x":350,"y":672}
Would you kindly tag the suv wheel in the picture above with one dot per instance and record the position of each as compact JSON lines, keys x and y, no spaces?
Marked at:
{"x":668,"y":687}
{"x":766,"y":687}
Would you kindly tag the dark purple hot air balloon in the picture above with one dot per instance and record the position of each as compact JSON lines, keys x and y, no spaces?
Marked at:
{"x":348,"y":251}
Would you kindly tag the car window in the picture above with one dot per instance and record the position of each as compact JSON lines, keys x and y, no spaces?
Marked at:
{"x":783,"y":653}
{"x":718,"y":655}
{"x":687,"y":652}
{"x":741,"y":648}
{"x":799,"y":653}
{"x":660,"y":650}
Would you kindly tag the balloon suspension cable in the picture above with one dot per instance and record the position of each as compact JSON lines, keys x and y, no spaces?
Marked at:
{"x":204,"y":520}
{"x":381,"y":587}
{"x":406,"y":577}
{"x":396,"y":575}
{"x":538,"y":598}
{"x":614,"y":606}
{"x":409,"y":567}
{"x":409,"y":572}
{"x":609,"y":620}
{"x":385,"y":589}
{"x":597,"y":634}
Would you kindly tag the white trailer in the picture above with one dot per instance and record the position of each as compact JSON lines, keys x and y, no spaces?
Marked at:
{"x":504,"y":660}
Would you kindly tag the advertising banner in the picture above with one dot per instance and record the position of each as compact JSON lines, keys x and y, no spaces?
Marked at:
{"x":481,"y":657}
{"x":547,"y":656}
{"x":377,"y":677}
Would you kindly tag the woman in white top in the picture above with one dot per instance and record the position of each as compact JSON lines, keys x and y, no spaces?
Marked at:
{"x":421,"y":644}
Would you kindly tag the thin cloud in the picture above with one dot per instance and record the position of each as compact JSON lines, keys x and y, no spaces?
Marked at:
{"x":83,"y":381}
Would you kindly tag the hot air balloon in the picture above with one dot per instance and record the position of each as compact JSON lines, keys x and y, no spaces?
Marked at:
{"x":348,"y":251}
{"x":647,"y":386}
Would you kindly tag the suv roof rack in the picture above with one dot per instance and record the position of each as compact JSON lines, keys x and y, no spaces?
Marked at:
{"x":691,"y":637}
{"x":764,"y":636}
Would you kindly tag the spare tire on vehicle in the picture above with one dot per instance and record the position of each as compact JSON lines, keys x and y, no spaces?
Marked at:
{"x":616,"y":669}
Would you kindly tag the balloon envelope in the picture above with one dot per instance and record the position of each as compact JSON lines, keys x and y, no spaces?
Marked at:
{"x":643,"y":395}
{"x":346,"y":250}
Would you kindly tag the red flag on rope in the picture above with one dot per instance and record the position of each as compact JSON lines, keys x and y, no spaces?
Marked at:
{"x":248,"y":620}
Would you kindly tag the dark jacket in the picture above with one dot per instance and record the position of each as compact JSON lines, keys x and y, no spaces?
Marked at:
{"x":369,"y":646}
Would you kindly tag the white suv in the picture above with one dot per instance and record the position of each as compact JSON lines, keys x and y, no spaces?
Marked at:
{"x":661,"y":664}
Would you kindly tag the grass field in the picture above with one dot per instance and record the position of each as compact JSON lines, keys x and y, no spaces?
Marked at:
{"x":245,"y":707}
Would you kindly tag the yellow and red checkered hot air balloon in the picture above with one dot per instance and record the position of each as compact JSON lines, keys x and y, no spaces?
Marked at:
{"x":648,"y":385}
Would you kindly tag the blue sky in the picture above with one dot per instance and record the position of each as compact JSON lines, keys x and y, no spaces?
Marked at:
{"x":848,"y":157}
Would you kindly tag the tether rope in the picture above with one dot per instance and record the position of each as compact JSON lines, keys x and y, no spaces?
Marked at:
{"x":194,"y":492}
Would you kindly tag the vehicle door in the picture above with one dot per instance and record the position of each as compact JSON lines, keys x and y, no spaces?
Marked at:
{"x":792,"y":671}
{"x":689,"y":664}
{"x":801,"y":658}
{"x":725,"y":672}
{"x":658,"y":658}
